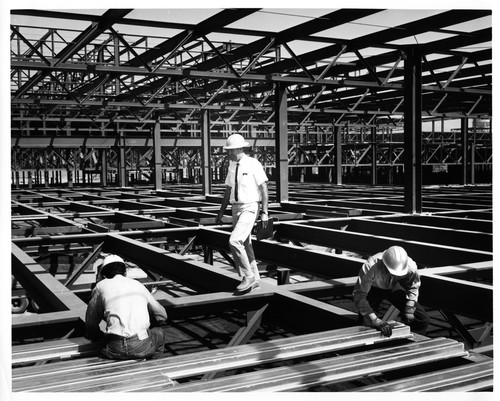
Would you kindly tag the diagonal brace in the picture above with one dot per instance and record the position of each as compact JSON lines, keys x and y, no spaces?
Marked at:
{"x":243,"y":334}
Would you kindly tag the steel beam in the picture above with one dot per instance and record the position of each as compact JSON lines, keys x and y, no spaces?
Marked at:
{"x":76,"y":141}
{"x":455,"y":322}
{"x":91,"y":258}
{"x":60,"y":306}
{"x":95,"y":238}
{"x":475,"y":377}
{"x":213,"y":23}
{"x":321,"y":264}
{"x":69,"y":318}
{"x":462,"y":297}
{"x":423,"y":253}
{"x":177,"y":367}
{"x":332,"y":370}
{"x":457,"y":238}
{"x":181,"y":269}
{"x":47,"y":291}
{"x":53,"y":350}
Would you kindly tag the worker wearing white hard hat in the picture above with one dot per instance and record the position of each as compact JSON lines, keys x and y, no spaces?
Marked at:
{"x":393,"y":276}
{"x":246,"y":191}
{"x":125,"y":305}
{"x":112,"y":263}
{"x":236,"y":141}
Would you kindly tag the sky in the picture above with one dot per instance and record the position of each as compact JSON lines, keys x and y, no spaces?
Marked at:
{"x":268,"y":19}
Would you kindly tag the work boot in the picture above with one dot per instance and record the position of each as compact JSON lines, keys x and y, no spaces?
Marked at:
{"x":247,"y":284}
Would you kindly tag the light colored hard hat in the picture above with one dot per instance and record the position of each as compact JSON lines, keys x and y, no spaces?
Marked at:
{"x":112,"y":259}
{"x":395,"y":260}
{"x":236,"y":141}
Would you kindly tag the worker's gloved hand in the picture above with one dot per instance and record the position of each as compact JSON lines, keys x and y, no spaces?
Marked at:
{"x":382,"y":326}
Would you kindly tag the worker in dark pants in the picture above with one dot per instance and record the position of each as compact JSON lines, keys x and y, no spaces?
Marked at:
{"x":126,"y":306}
{"x":393,"y":276}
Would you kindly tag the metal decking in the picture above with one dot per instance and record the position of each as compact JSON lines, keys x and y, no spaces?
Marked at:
{"x":168,"y":238}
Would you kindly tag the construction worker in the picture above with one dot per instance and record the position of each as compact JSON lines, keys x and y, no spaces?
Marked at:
{"x":126,"y":306}
{"x":390,"y":275}
{"x":246,"y":190}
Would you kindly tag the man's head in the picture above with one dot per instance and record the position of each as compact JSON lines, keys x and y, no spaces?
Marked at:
{"x":395,"y":259}
{"x":113,"y":265}
{"x":234,"y":146}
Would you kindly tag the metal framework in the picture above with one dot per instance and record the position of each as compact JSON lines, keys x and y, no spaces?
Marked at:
{"x":308,"y":270}
{"x":75,"y":92}
{"x":102,"y":117}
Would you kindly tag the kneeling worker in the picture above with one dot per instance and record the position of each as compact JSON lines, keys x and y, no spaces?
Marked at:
{"x":391,"y":275}
{"x":125,"y":305}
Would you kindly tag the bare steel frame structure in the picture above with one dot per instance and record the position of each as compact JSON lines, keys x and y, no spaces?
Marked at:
{"x":103,"y":121}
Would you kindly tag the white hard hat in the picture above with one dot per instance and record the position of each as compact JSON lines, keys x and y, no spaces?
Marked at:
{"x":395,"y":260}
{"x":111,"y":259}
{"x":236,"y":141}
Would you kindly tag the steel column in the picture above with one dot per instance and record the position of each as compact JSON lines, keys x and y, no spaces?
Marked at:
{"x":16,"y":170}
{"x":413,"y":130}
{"x":69,"y":173}
{"x":45,"y":169}
{"x":374,"y":156}
{"x":75,"y":166}
{"x":473,"y":153}
{"x":281,"y":148}
{"x":465,"y":146}
{"x":205,"y":150}
{"x":338,"y":155}
{"x":472,"y":163}
{"x":122,"y":163}
{"x":157,"y":154}
{"x":104,"y":168}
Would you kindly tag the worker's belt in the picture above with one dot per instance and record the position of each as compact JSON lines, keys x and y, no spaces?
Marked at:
{"x":117,"y":338}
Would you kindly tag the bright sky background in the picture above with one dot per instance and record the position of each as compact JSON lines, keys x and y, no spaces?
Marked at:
{"x":267,"y":19}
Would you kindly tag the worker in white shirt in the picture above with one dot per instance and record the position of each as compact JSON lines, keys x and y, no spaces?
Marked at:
{"x":246,"y":190}
{"x":126,"y":306}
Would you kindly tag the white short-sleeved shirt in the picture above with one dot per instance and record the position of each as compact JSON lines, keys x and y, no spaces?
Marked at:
{"x":124,"y":304}
{"x":251,"y":175}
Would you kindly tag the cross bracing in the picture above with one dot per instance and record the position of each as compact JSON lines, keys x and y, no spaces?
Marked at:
{"x":102,"y":75}
{"x":106,"y":80}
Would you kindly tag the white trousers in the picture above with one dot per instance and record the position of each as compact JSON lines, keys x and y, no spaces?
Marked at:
{"x":240,"y":242}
